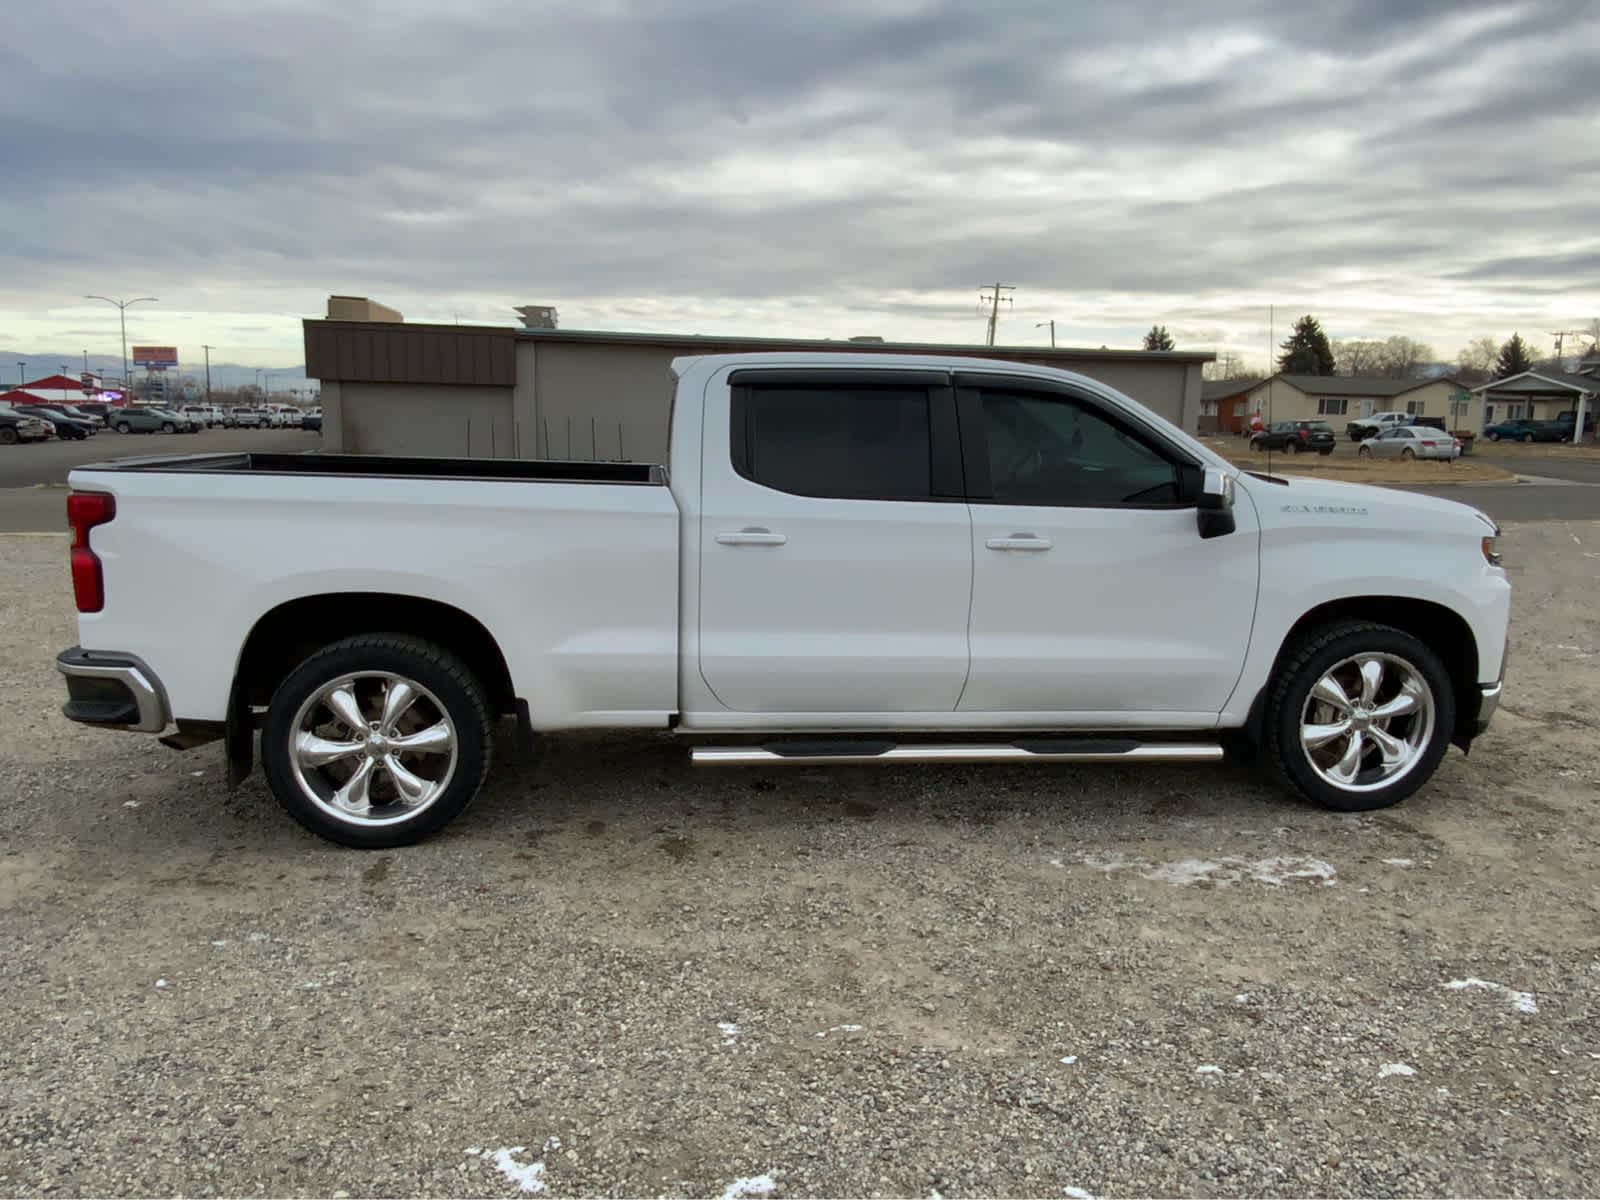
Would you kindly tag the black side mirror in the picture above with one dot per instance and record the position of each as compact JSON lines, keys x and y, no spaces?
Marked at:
{"x":1214,"y":508}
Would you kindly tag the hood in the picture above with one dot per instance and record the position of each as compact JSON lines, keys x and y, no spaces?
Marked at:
{"x":1287,"y":501}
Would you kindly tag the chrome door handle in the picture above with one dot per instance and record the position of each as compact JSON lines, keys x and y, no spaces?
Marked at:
{"x":753,"y":536}
{"x":1018,"y":541}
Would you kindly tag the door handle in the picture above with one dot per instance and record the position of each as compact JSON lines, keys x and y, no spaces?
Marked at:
{"x":753,"y":536}
{"x":1019,"y":541}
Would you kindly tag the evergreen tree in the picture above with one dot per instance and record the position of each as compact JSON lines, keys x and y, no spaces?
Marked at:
{"x":1307,"y":351}
{"x":1514,"y":358}
{"x":1158,"y":338}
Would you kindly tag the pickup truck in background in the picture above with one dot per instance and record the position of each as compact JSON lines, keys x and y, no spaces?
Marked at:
{"x":1363,"y":428}
{"x":848,"y":559}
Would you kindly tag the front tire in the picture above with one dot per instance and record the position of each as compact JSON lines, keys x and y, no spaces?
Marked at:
{"x":377,"y":741}
{"x":168,"y":427}
{"x":1365,"y":452}
{"x":121,"y":428}
{"x":1408,"y":453}
{"x":1359,"y":716}
{"x":1493,"y":437}
{"x":8,"y":436}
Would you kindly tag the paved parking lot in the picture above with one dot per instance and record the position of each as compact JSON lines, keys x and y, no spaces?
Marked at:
{"x":614,"y":975}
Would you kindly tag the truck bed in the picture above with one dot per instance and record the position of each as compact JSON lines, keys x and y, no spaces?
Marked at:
{"x":387,"y":467}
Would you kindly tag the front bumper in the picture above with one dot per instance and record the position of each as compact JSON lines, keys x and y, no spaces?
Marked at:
{"x":112,"y":690}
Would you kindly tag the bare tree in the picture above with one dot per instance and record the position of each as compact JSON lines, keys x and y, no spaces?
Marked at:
{"x":1357,"y":357}
{"x":1402,"y":357}
{"x":1478,"y":357}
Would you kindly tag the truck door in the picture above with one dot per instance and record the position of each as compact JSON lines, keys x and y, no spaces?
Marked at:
{"x":835,"y":543}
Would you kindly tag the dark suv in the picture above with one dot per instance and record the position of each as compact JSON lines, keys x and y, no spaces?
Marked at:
{"x":1294,"y":437}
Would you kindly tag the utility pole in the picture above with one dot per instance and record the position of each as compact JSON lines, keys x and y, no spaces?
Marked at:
{"x":1561,"y":335}
{"x":994,"y":298}
{"x":1052,"y":323}
{"x":208,"y":374}
{"x":20,"y":366}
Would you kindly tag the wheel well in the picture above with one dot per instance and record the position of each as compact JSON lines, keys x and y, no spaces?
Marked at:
{"x":1444,"y":632}
{"x":286,"y":636}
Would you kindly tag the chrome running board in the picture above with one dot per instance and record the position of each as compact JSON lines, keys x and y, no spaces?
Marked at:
{"x":1032,"y":750}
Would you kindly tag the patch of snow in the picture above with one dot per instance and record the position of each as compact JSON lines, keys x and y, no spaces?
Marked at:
{"x":1221,"y":872}
{"x":1242,"y":998}
{"x":756,"y":1185}
{"x":161,"y":983}
{"x":1069,"y":1060}
{"x":1209,"y":1070}
{"x":1389,"y":1069}
{"x":1523,"y":1002}
{"x":730,"y":1032}
{"x":1400,"y":862}
{"x":1077,"y":1193}
{"x":258,"y":937}
{"x":529,"y":1177}
{"x":197,"y":772}
{"x":130,"y":804}
{"x":220,"y":942}
{"x":1056,"y":862}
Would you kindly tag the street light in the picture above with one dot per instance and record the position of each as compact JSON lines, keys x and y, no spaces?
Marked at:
{"x":1052,"y":325}
{"x":122,"y":312}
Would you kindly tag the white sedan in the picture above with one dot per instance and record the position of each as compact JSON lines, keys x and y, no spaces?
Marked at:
{"x":1412,"y":441}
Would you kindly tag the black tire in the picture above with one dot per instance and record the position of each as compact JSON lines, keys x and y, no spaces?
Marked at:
{"x":1526,"y":438}
{"x":449,"y":696}
{"x":1365,"y":452}
{"x":1328,"y":650}
{"x":168,"y":427}
{"x":121,"y":428}
{"x":1407,"y":452}
{"x":1257,"y":444}
{"x":8,"y":436}
{"x":1292,"y":447}
{"x":1493,"y":437}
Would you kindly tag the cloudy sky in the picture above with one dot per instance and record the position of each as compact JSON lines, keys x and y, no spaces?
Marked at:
{"x":820,"y":169}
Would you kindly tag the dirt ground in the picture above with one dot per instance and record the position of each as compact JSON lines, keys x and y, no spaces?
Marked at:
{"x":617,"y":975}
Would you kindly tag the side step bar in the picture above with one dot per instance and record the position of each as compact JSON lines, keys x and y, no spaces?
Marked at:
{"x":1033,"y":750}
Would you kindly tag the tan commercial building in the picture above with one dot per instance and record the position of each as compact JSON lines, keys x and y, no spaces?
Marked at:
{"x":389,"y":387}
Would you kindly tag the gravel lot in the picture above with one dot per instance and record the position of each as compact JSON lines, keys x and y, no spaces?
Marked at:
{"x":616,"y":975}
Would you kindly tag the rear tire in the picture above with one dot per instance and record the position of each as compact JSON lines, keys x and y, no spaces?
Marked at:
{"x":168,"y":427}
{"x":1407,"y":452}
{"x":1526,"y":438}
{"x":1365,"y":452}
{"x":377,"y":741}
{"x":1493,"y":437}
{"x":1359,"y":716}
{"x":121,"y":428}
{"x":8,"y":436}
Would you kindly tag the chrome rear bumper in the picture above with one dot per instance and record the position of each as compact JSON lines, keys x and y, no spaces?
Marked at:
{"x":112,"y":690}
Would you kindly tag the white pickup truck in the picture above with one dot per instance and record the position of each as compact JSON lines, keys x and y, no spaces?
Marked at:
{"x":850,"y":559}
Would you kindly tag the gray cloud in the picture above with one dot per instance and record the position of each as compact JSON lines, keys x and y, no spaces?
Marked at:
{"x":873,"y":158}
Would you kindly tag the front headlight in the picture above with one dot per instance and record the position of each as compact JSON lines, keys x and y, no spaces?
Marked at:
{"x":1491,"y":551}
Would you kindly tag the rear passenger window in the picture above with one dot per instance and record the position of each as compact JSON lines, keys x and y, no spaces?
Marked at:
{"x":848,"y":442}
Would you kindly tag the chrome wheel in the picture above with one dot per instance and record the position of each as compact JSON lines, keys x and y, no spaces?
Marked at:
{"x":1368,"y":722}
{"x":373,"y":748}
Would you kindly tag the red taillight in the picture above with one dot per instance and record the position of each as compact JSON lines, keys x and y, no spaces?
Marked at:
{"x":85,"y":510}
{"x":1304,"y":435}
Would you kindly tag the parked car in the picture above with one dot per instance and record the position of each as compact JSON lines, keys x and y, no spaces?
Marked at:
{"x":1295,"y":437}
{"x":184,"y":422}
{"x":97,"y":409}
{"x":67,"y":429}
{"x":1363,"y":428}
{"x":247,"y":418}
{"x":1002,"y":546}
{"x":74,"y":412}
{"x":20,"y":427}
{"x":311,"y":419}
{"x":202,"y":413}
{"x":137,"y":419}
{"x":1522,"y":430}
{"x":1412,"y":441}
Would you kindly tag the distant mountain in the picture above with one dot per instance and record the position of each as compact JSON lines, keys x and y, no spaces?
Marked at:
{"x":224,"y":376}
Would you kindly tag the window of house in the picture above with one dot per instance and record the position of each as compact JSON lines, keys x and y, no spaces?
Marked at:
{"x":1049,"y":449}
{"x":1332,"y":406}
{"x":849,"y":442}
{"x":1415,"y":407}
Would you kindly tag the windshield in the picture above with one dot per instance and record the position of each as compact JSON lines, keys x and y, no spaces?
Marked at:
{"x":1320,"y":427}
